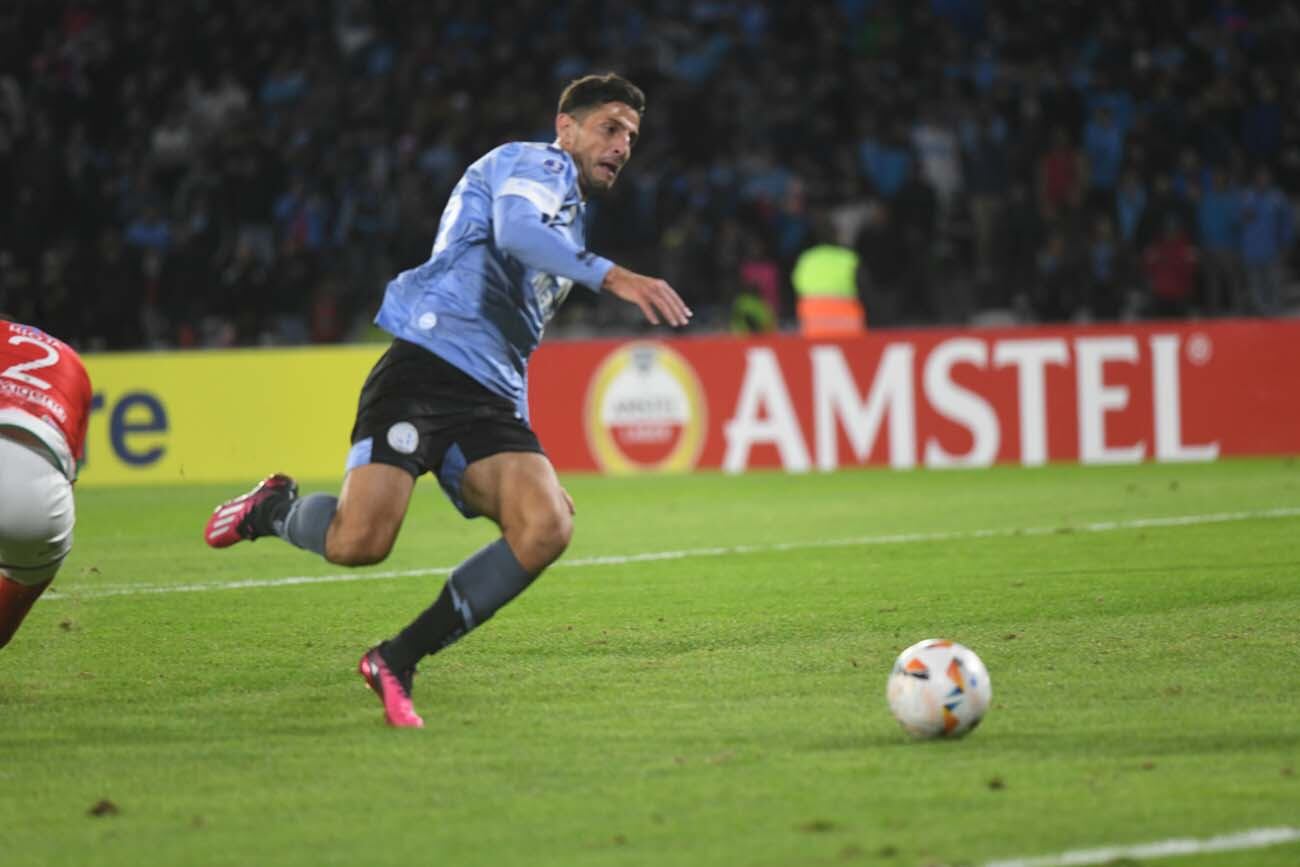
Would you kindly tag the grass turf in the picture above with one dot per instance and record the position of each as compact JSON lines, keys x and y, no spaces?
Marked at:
{"x":718,"y":708}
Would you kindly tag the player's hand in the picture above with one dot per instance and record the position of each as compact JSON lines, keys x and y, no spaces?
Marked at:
{"x":654,"y":296}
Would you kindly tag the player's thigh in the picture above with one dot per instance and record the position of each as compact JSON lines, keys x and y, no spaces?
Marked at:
{"x":373,"y":502}
{"x":514,"y":488}
{"x":37,"y":514}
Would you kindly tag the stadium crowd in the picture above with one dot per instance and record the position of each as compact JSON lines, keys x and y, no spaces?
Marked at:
{"x":229,"y":172}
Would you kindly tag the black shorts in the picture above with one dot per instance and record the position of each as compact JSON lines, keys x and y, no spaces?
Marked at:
{"x":425,"y":415}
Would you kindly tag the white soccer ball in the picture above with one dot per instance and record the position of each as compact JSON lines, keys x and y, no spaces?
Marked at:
{"x":938,"y":689}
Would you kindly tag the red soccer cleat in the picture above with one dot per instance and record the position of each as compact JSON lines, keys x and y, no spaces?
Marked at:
{"x":395,"y":695}
{"x":245,"y":517}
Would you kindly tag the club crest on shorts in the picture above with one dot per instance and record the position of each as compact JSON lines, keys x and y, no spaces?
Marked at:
{"x":403,"y":438}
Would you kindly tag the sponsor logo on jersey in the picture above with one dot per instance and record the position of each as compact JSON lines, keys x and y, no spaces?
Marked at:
{"x":645,"y":411}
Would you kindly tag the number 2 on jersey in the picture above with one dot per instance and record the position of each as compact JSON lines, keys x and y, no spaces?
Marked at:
{"x":19,"y":371}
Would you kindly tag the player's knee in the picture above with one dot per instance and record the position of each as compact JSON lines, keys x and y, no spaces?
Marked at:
{"x":561,"y":533}
{"x":545,"y":534}
{"x":352,"y":548}
{"x":357,"y":553}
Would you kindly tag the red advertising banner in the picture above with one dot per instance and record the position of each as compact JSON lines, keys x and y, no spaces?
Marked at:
{"x":935,"y":398}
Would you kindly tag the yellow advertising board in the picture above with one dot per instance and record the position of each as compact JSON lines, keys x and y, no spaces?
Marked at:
{"x":222,"y":416}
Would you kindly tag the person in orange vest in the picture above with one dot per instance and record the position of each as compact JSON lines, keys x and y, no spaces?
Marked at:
{"x":825,"y":282}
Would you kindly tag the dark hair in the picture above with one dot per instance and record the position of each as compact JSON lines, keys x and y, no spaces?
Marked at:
{"x":593,"y":91}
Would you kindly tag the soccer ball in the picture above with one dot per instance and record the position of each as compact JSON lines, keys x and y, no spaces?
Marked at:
{"x":938,"y":689}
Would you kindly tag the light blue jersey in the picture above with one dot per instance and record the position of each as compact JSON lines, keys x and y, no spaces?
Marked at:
{"x":510,"y":246}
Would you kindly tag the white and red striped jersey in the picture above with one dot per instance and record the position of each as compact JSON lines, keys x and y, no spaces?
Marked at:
{"x":44,"y":389}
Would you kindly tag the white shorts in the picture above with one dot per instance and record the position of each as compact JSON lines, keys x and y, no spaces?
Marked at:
{"x":36,"y":514}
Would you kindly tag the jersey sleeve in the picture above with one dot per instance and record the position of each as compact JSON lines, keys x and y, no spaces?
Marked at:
{"x":527,"y":200}
{"x":543,"y":177}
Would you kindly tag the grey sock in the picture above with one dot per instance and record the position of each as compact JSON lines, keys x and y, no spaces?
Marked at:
{"x":308,"y":521}
{"x":488,"y":579}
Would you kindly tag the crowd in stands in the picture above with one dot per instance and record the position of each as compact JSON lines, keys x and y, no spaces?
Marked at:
{"x":235,"y":172}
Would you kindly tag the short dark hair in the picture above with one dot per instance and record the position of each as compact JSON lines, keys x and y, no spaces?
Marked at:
{"x":593,"y":91}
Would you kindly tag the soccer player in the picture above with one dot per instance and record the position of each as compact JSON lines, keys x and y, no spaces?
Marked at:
{"x":44,"y":404}
{"x":449,"y":395}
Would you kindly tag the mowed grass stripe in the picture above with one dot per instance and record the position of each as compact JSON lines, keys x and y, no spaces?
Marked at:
{"x":1165,"y":521}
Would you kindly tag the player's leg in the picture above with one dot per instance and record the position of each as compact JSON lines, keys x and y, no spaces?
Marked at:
{"x":358,"y":527}
{"x":37,"y":515}
{"x":16,"y":599}
{"x":522,"y":494}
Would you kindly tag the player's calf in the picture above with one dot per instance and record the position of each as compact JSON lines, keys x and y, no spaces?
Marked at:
{"x":359,"y":542}
{"x":539,"y":535}
{"x":15,"y":601}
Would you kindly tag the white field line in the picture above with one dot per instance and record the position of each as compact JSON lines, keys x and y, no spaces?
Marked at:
{"x":721,"y":551}
{"x":1257,"y":838}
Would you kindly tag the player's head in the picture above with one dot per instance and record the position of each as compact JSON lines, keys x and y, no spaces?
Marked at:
{"x":598,"y":122}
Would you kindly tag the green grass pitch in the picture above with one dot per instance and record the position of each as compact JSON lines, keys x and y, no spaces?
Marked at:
{"x":724,"y":707}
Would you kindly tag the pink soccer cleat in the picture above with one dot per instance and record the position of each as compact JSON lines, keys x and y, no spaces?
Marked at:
{"x":392,"y":690}
{"x":248,"y":516}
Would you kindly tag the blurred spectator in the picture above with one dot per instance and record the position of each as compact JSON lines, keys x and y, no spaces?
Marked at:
{"x":759,"y":274}
{"x":149,"y":231}
{"x":246,"y":281}
{"x":1103,"y":295}
{"x":1103,"y":145}
{"x":851,"y":212}
{"x":1018,"y":244}
{"x":1190,"y":175}
{"x":293,"y":279}
{"x":1261,"y":123}
{"x":1267,"y":229}
{"x":119,"y":298}
{"x":1170,"y":263}
{"x":1056,"y":296}
{"x":939,"y":156}
{"x":884,"y":270}
{"x":1060,"y":177}
{"x":988,"y":172}
{"x":826,"y":281}
{"x":886,"y":161}
{"x":1130,"y":207}
{"x":1163,"y":206}
{"x":1218,"y":220}
{"x":916,"y":211}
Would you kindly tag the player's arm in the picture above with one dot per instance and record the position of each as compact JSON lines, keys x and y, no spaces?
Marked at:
{"x":521,"y":230}
{"x":649,"y":293}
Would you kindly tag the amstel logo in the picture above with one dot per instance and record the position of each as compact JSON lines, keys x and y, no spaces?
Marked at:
{"x":645,"y":411}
